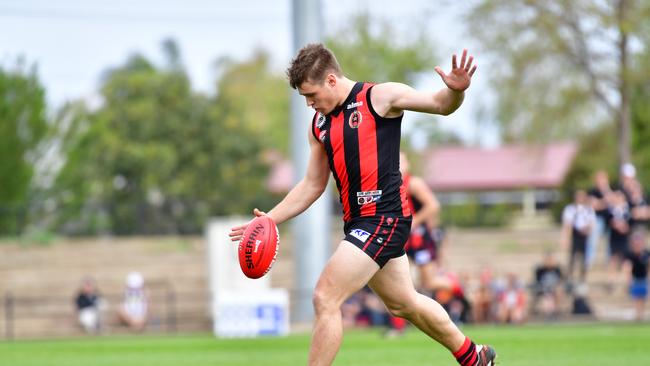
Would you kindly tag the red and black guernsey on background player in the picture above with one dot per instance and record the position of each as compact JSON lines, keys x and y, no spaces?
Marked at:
{"x":363,"y":153}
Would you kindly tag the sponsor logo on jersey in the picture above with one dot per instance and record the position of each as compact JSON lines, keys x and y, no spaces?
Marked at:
{"x":360,"y":234}
{"x":354,"y":105}
{"x":321,"y":120}
{"x":368,"y":197}
{"x":355,"y":119}
{"x":322,"y":135}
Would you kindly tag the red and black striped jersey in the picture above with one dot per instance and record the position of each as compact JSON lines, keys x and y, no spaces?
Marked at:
{"x":363,"y":152}
{"x":414,"y":204}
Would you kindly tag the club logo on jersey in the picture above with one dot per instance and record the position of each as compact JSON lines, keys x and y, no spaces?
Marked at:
{"x":368,"y":197}
{"x":321,"y":120}
{"x":354,"y":105}
{"x":322,"y":135}
{"x":355,"y":119}
{"x":360,"y":234}
{"x":389,"y":221}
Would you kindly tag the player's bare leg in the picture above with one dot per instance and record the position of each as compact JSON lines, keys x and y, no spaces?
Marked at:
{"x":394,"y":285}
{"x":347,"y":271}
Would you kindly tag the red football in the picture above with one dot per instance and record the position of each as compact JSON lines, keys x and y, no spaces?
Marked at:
{"x":258,"y":247}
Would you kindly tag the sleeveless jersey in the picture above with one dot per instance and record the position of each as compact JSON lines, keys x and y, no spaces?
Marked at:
{"x":363,"y":154}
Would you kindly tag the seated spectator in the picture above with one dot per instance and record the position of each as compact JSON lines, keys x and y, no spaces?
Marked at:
{"x":133,"y":311}
{"x":484,"y":298}
{"x":512,"y":302}
{"x":547,"y":286}
{"x":580,"y":300}
{"x":636,"y":267}
{"x":89,"y":306}
{"x":373,"y":308}
{"x":351,"y":310}
{"x":450,"y":293}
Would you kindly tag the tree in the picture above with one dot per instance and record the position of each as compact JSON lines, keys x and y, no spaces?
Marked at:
{"x":23,"y":126}
{"x":155,"y":157}
{"x":254,"y":96}
{"x":561,"y":66}
{"x":374,"y":54}
{"x":641,"y":121}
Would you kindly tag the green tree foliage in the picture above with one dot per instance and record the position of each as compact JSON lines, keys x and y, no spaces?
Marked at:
{"x":250,"y":94}
{"x":23,"y":126}
{"x":378,"y":54}
{"x":155,"y":157}
{"x":562,"y":66}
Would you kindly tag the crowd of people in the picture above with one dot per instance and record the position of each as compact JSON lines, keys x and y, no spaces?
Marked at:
{"x":618,"y":213}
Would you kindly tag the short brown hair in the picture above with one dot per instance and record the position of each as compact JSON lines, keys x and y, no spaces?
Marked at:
{"x":313,"y":62}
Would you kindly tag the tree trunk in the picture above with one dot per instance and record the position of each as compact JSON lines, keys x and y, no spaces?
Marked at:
{"x":623,"y":123}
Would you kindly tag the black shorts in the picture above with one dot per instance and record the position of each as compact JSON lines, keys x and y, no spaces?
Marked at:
{"x":382,"y":238}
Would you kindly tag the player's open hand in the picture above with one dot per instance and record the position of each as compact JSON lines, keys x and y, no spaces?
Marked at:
{"x":461,"y":75}
{"x":237,"y":231}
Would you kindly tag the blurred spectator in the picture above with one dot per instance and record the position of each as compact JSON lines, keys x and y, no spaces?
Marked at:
{"x":512,"y":302}
{"x":547,"y":287}
{"x":578,"y":219}
{"x":639,"y":207}
{"x":484,"y":298}
{"x":89,"y":306}
{"x":450,"y":293}
{"x":628,"y":179}
{"x":636,"y":267}
{"x":351,"y":310}
{"x":372,"y":311}
{"x":619,"y":218}
{"x":580,"y":300}
{"x":599,"y":195}
{"x":133,"y":311}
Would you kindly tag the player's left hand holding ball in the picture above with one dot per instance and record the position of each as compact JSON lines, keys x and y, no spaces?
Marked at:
{"x":259,"y":241}
{"x":237,"y":231}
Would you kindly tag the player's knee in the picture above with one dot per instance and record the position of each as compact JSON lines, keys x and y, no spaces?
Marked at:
{"x":322,"y":302}
{"x":404,"y":309}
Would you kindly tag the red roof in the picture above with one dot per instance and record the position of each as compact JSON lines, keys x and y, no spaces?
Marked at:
{"x":507,"y":167}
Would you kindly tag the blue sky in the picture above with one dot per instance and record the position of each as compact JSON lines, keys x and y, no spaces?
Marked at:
{"x":74,"y":41}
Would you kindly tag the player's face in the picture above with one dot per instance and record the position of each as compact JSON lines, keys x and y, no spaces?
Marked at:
{"x":320,"y":95}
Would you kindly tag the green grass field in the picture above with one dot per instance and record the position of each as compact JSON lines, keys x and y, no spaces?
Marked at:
{"x":557,"y":345}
